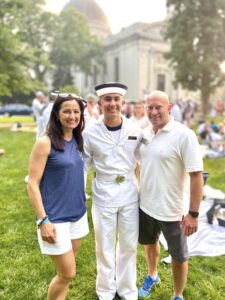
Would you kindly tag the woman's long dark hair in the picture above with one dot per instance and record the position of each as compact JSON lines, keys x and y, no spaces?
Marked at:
{"x":54,"y":128}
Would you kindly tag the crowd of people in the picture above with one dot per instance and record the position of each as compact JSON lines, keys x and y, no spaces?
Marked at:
{"x":116,"y":139}
{"x":212,"y":136}
{"x":183,"y":111}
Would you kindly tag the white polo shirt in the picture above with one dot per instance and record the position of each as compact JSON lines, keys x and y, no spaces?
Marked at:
{"x":110,"y":158}
{"x":166,"y":159}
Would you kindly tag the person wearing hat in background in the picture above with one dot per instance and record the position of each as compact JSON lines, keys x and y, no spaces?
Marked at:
{"x":110,"y":146}
{"x":47,"y":109}
{"x":91,"y":113}
{"x":37,"y":107}
{"x":42,"y":110}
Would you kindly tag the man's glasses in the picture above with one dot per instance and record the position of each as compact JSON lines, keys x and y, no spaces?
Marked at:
{"x":73,"y":96}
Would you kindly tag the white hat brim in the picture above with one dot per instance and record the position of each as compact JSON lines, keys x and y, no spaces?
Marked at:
{"x":111,"y":90}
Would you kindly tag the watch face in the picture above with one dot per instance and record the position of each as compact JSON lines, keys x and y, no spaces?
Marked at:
{"x":194,"y":214}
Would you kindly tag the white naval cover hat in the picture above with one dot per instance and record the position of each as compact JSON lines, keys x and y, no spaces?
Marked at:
{"x":111,"y":87}
{"x":39,"y":94}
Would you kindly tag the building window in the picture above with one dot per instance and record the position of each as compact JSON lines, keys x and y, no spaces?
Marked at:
{"x":116,"y":69}
{"x":161,"y":82}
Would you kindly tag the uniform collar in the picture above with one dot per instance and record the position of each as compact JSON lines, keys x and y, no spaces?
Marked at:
{"x":124,"y":120}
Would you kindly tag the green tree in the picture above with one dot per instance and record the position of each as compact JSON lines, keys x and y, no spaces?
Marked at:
{"x":37,"y":31}
{"x":34,"y":44}
{"x":14,"y":71}
{"x":74,"y":48}
{"x":26,"y":35}
{"x":69,"y":89}
{"x":196,"y":32}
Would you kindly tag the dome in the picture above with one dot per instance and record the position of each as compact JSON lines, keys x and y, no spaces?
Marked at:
{"x":97,"y":20}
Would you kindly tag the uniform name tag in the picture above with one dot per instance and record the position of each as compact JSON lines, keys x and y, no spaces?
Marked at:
{"x":132,"y":137}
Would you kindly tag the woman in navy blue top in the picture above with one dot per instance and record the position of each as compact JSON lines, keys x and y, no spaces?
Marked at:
{"x":56,"y":189}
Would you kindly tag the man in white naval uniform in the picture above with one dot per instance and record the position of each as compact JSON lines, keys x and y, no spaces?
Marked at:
{"x":37,"y":107}
{"x":110,"y":146}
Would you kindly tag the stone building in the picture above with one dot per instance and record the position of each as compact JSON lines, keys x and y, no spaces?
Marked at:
{"x":134,"y":56}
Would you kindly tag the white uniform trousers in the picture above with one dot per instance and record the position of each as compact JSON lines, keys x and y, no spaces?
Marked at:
{"x":116,"y":272}
{"x":40,"y":127}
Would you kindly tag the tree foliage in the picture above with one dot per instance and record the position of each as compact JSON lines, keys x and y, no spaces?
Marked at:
{"x":33,"y":43}
{"x":74,"y":48}
{"x":196,"y":32}
{"x":14,"y":68}
{"x":37,"y":32}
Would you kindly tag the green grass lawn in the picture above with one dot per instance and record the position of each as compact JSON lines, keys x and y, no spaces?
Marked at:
{"x":15,"y":119}
{"x":25,"y":273}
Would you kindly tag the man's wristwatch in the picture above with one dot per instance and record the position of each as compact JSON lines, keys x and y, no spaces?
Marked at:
{"x":194,"y":214}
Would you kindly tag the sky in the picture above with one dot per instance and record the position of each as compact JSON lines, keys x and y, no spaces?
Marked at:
{"x":122,"y":13}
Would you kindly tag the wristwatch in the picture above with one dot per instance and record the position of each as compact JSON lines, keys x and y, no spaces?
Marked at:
{"x":194,"y":214}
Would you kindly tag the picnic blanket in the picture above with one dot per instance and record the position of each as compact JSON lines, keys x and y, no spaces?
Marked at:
{"x":209,"y":240}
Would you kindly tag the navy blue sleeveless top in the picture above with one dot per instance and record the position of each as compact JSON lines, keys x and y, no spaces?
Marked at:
{"x":62,"y":184}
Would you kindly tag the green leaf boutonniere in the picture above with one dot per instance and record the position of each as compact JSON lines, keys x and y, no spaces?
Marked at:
{"x":119,"y":179}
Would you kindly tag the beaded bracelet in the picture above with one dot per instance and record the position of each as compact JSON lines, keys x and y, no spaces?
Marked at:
{"x":44,"y":220}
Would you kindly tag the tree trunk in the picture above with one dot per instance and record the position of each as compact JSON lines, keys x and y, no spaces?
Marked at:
{"x":205,"y":95}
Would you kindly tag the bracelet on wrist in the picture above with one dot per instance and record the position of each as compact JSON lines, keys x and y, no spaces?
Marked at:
{"x":43,"y":220}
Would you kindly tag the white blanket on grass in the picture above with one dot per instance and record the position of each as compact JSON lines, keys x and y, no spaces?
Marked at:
{"x":209,"y":240}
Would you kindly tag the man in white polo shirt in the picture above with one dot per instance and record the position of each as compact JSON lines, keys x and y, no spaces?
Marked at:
{"x":109,"y":146}
{"x":170,"y":192}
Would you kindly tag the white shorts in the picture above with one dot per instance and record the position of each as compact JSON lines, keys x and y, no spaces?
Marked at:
{"x":65,"y":232}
